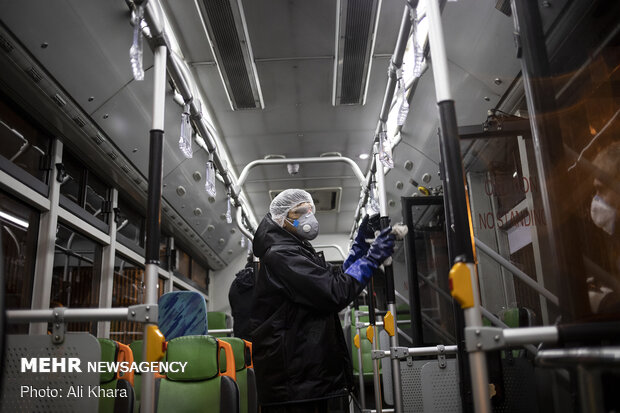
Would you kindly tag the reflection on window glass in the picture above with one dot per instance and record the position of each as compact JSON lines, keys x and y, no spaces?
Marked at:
{"x":76,"y":274}
{"x":83,"y":187}
{"x":432,"y":267}
{"x":199,"y":274}
{"x":163,"y":252}
{"x":191,"y":269}
{"x":23,"y":142}
{"x":130,"y":223}
{"x":19,"y":225}
{"x":128,"y":290}
{"x":184,"y":265}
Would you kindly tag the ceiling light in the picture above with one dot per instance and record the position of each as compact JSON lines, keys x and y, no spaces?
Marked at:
{"x":364,"y":156}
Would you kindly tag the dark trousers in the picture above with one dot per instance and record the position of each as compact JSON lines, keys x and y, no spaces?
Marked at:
{"x":333,"y":405}
{"x":319,"y":406}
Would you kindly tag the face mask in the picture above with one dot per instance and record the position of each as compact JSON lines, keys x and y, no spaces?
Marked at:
{"x":307,"y":226}
{"x":603,"y":215}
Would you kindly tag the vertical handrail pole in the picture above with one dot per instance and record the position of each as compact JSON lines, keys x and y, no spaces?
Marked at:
{"x":360,"y":359}
{"x":389,"y":289}
{"x":375,"y":346}
{"x":459,"y":208}
{"x":153,"y":211}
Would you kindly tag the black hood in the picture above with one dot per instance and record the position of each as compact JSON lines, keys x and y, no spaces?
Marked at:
{"x":269,"y":233}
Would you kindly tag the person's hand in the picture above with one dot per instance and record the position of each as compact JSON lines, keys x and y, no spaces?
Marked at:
{"x":382,"y":247}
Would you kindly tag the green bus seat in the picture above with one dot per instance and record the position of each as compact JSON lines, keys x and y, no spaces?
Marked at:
{"x":136,"y":348}
{"x":203,"y":386}
{"x":365,"y":346}
{"x":246,"y":381}
{"x":111,"y":352}
{"x":217,"y":320}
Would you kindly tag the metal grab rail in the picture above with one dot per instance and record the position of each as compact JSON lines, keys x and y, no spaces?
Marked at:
{"x":70,"y":314}
{"x":516,"y":271}
{"x":582,"y":356}
{"x":246,"y":171}
{"x":334,"y":246}
{"x":356,"y":169}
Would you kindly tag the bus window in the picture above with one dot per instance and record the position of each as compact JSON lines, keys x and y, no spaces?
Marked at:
{"x":76,"y":274}
{"x":24,"y":143}
{"x":83,"y":187}
{"x":129,"y":225}
{"x":19,"y":225}
{"x":128,"y":290}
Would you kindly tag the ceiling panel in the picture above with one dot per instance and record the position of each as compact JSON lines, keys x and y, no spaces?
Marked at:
{"x":479,"y":39}
{"x":87,"y":44}
{"x":291,"y":28}
{"x":185,"y":18}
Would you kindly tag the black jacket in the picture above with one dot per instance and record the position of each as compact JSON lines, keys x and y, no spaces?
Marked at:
{"x":299,"y":349}
{"x":240,"y":298}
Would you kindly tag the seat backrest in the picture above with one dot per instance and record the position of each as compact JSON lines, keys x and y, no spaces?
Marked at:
{"x":182,"y":313}
{"x":217,"y":321}
{"x":204,"y":383}
{"x":242,"y":351}
{"x":116,"y":394}
{"x":365,"y":346}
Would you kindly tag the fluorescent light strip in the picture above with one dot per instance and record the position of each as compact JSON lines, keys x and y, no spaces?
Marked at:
{"x":14,"y":220}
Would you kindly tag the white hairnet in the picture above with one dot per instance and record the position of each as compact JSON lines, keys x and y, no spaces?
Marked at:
{"x":287,"y":200}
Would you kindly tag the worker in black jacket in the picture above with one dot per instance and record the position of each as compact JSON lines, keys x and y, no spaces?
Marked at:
{"x":300,"y":356}
{"x":240,"y":299}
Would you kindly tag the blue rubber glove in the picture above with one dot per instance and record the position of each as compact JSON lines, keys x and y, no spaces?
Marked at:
{"x":381,"y":248}
{"x":359,"y":247}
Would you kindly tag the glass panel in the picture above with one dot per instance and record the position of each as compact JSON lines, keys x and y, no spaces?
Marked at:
{"x":127,"y":290}
{"x":432,"y":265}
{"x":23,"y":142}
{"x":83,"y":187}
{"x":199,"y":274}
{"x":76,"y":274}
{"x":96,"y":195}
{"x":19,"y":225}
{"x":549,"y":203}
{"x":184,"y":264}
{"x":130,"y":223}
{"x":163,"y":252}
{"x":73,"y":181}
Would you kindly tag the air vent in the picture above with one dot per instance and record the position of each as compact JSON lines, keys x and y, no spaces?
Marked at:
{"x":113,"y":155}
{"x":125,"y":168}
{"x":355,"y":42}
{"x":325,"y":199}
{"x":79,"y":121}
{"x":60,"y":101}
{"x":224,"y":24}
{"x":34,"y":74}
{"x":6,"y":45}
{"x":98,"y":139}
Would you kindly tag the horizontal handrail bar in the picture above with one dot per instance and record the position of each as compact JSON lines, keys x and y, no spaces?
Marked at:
{"x":517,"y":272}
{"x":603,"y":356}
{"x":70,"y":314}
{"x":221,"y":331}
{"x":356,"y":169}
